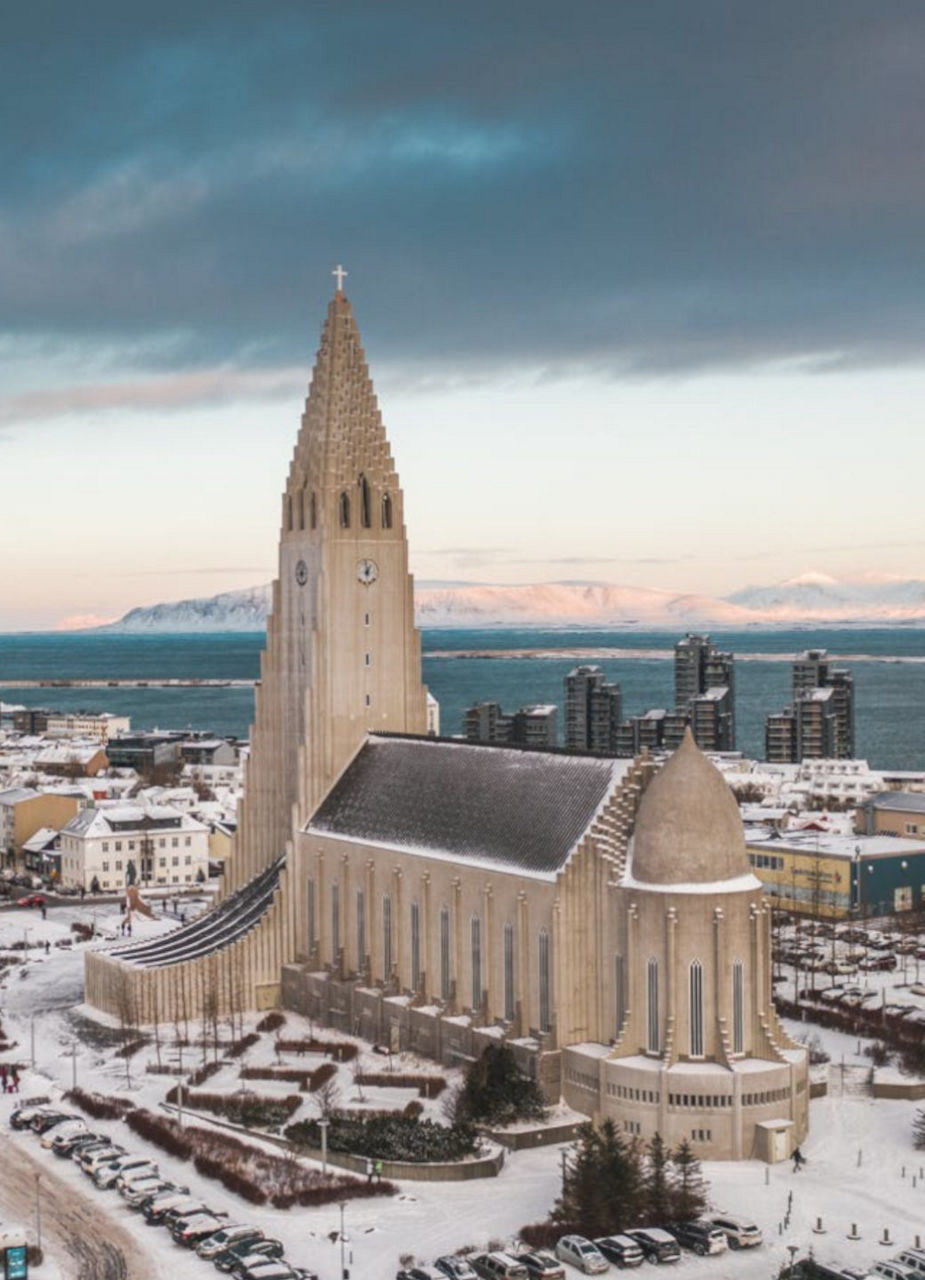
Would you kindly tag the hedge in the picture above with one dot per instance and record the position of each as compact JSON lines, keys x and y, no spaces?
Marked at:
{"x":250,"y":1110}
{"x":396,"y":1137}
{"x":98,"y":1106}
{"x":272,"y":1021}
{"x":339,"y":1050}
{"x":428,"y":1086}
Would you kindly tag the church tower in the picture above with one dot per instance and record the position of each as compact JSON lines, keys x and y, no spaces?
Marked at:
{"x":342,"y":656}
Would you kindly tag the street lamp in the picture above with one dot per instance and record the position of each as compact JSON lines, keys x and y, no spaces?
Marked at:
{"x":344,"y":1273}
{"x":38,"y":1213}
{"x":323,"y":1126}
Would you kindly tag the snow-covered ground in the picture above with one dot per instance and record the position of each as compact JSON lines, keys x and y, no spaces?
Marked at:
{"x":856,"y":1151}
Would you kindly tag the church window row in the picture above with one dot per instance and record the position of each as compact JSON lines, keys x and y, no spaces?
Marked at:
{"x":738,"y":1007}
{"x":619,"y":975}
{"x":653,"y":1039}
{"x":312,"y":511}
{"x":445,"y":976}
{"x":766,"y":861}
{"x":703,"y":1102}
{"x":582,"y":1079}
{"x":763,"y":1098}
{"x":366,"y":508}
{"x":701,"y":1135}
{"x":633,"y":1095}
{"x":633,"y":1127}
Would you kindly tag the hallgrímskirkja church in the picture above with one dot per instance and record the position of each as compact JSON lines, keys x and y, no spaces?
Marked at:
{"x":598,"y":914}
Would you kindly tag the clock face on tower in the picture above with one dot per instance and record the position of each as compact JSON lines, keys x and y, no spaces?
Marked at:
{"x":301,"y":573}
{"x":367,"y":572}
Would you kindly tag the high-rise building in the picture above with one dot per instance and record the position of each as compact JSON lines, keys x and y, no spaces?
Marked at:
{"x":820,"y":723}
{"x":593,"y":711}
{"x":533,"y":726}
{"x":700,"y":669}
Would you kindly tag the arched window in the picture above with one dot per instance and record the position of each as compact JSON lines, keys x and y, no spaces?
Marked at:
{"x":289,"y":513}
{"x":509,"y":972}
{"x":345,"y":510}
{"x":301,"y":508}
{"x":619,"y":979}
{"x":313,"y":511}
{"x":444,"y":953}
{"x":696,"y":1008}
{"x":361,"y":928}
{"x":545,"y":1013}
{"x":653,"y":1040}
{"x":310,"y":908}
{"x":415,"y":947}
{"x":386,"y":937}
{"x":386,"y":511}
{"x":476,"y":947}
{"x":738,"y":1007}
{"x":335,"y":921}
{"x":366,"y":517}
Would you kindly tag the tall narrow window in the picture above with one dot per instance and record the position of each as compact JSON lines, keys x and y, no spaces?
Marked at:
{"x":345,"y":510}
{"x":289,"y":513}
{"x":545,"y":1018}
{"x":476,"y":939}
{"x":738,"y":1007}
{"x":366,"y":518}
{"x":387,"y":937}
{"x":445,"y":953}
{"x":361,"y":928}
{"x":310,"y":904}
{"x":335,"y":921}
{"x":619,"y":980}
{"x":386,"y":511}
{"x":696,"y":1008}
{"x":509,"y":972}
{"x":301,"y":508}
{"x":313,"y":511}
{"x":415,"y":947}
{"x":653,"y":1044}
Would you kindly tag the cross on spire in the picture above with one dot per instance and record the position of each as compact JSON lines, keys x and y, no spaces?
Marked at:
{"x":339,"y":273}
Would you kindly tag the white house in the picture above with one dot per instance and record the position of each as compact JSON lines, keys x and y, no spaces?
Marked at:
{"x":163,"y":846}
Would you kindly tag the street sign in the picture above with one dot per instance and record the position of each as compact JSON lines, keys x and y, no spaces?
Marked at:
{"x":16,"y":1263}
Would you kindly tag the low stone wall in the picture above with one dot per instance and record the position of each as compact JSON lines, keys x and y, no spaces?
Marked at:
{"x":538,"y":1136}
{"x":911,"y":1090}
{"x":350,"y":1007}
{"x":396,"y":1170}
{"x":818,"y":1088}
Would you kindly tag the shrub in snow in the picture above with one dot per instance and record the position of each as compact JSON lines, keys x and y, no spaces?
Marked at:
{"x":391,"y":1137}
{"x":428,"y":1086}
{"x":496,"y":1091}
{"x":272,"y":1021}
{"x":338,"y":1050}
{"x":97,"y":1106}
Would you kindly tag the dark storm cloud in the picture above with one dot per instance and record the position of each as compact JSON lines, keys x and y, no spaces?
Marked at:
{"x":654,"y":186}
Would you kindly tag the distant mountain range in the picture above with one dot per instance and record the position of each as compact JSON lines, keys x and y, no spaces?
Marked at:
{"x":810,"y":600}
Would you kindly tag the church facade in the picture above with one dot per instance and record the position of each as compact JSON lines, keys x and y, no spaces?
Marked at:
{"x":436,"y":894}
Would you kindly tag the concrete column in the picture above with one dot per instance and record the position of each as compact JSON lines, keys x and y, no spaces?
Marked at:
{"x":522,"y":1003}
{"x":488,"y":953}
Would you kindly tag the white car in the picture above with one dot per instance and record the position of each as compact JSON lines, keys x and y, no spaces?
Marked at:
{"x":579,"y":1252}
{"x":67,"y":1128}
{"x":893,"y":1271}
{"x":740,"y":1232}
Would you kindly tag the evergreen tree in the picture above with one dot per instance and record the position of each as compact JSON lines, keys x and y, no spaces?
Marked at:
{"x":657,"y":1188}
{"x":497,"y":1092}
{"x":688,"y":1192}
{"x":602,"y":1185}
{"x":918,"y":1130}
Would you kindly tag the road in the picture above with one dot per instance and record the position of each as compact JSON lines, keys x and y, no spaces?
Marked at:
{"x":74,"y":1232}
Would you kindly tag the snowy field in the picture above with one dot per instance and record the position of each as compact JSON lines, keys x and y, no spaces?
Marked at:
{"x":856,"y":1152}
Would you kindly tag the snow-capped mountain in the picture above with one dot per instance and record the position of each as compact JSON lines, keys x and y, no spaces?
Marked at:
{"x":812,"y":598}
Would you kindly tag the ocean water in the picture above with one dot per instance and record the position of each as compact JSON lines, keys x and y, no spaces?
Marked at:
{"x":888,"y":665}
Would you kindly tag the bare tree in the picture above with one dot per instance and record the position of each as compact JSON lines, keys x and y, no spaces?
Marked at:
{"x":327,"y":1098}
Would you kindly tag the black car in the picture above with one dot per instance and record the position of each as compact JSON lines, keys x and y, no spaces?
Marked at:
{"x":46,"y":1120}
{"x":621,"y":1250}
{"x":70,"y":1144}
{"x":700,"y":1237}
{"x":229,"y":1258}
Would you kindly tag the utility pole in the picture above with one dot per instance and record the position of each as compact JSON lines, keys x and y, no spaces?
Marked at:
{"x":344,"y":1272}
{"x":323,"y":1126}
{"x":38,"y":1213}
{"x":32,"y":1041}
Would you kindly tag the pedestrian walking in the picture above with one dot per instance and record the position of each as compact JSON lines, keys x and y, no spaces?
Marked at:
{"x":47,"y":946}
{"x":3,"y":1080}
{"x":369,"y":1171}
{"x":15,"y":1079}
{"x":798,"y":1160}
{"x":44,"y":911}
{"x":378,"y":1170}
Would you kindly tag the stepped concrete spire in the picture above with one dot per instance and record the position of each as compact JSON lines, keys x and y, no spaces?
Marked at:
{"x":342,"y":656}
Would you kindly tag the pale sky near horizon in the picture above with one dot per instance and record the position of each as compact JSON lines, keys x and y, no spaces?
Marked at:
{"x":642,"y":288}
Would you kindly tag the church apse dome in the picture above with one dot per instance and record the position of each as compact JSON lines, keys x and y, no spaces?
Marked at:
{"x":688,"y":830}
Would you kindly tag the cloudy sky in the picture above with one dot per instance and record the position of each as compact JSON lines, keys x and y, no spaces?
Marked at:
{"x":642,"y":286}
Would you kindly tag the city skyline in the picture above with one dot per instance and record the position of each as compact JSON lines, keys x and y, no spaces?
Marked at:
{"x":606,"y":263}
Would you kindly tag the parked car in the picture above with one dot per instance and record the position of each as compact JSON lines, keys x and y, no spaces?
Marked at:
{"x":740,"y":1233}
{"x":190,"y":1231}
{"x":456,"y":1268}
{"x":420,"y":1273}
{"x":63,"y":1129}
{"x":31,"y":900}
{"x":579,"y":1252}
{"x":137,"y":1196}
{"x":893,"y":1271}
{"x":229,"y":1258}
{"x":877,"y":963}
{"x":269,"y":1269}
{"x":66,"y":1144}
{"x":541,"y":1265}
{"x":91,"y":1160}
{"x":912,"y":1258}
{"x":700,"y":1237}
{"x":226,"y":1236}
{"x":621,"y":1250}
{"x":48,"y":1119}
{"x":498,"y":1266}
{"x":186,"y":1209}
{"x":108,"y":1174}
{"x":656,"y":1244}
